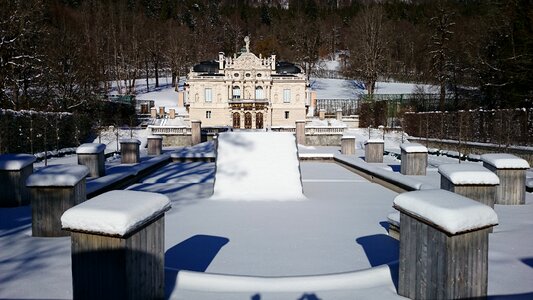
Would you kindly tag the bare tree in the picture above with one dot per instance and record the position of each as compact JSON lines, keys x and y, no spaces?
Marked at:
{"x":368,"y":44}
{"x":442,"y":24}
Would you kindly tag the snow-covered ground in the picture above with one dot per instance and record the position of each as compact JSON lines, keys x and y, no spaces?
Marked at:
{"x":351,"y":89}
{"x":338,"y":234}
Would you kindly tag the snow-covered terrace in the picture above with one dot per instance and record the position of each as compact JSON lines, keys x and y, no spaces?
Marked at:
{"x":338,"y":234}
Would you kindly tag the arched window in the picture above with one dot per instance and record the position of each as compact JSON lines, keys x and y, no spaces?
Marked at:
{"x":236,"y":94}
{"x":259,"y":93}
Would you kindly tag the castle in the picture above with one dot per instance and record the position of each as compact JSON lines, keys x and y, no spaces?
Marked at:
{"x":247,"y":92}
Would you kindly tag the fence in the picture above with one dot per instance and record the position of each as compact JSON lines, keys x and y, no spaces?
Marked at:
{"x":32,"y":131}
{"x":348,"y":106}
{"x":499,"y":127}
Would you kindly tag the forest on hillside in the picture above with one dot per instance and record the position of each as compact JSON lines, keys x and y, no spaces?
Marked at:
{"x":65,"y":55}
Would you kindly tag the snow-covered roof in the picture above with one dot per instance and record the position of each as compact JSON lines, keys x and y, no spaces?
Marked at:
{"x":154,"y":137}
{"x":462,"y":174}
{"x":15,"y":162}
{"x":348,"y":137}
{"x":451,"y":212}
{"x":90,"y":148}
{"x":115,"y":212}
{"x":130,"y":141}
{"x":58,"y":175}
{"x":505,"y":161}
{"x":413,"y":148}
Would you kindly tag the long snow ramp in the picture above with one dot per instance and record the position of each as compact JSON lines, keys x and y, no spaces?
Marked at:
{"x":254,"y":166}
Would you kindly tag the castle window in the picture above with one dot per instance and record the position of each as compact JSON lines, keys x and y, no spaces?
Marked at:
{"x":286,"y":114}
{"x":208,"y":114}
{"x":286,"y":95}
{"x":258,"y":75}
{"x":236,"y":75}
{"x":236,"y":94}
{"x":259,"y":93}
{"x":208,"y":95}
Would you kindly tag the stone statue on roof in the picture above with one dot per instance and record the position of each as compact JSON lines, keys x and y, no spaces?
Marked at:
{"x":247,"y":42}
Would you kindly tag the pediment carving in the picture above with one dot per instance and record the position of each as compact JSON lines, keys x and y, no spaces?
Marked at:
{"x":248,"y":61}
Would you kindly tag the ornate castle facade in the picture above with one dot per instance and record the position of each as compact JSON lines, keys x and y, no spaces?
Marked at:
{"x":247,"y":92}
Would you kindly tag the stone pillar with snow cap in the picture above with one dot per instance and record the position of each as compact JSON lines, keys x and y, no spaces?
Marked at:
{"x":129,"y":151}
{"x":470,"y":180}
{"x":512,"y":173}
{"x":153,"y":112}
{"x":196,"y":132}
{"x":14,"y":170}
{"x":443,"y":245}
{"x":54,"y":189}
{"x":414,"y":159}
{"x":348,"y":145}
{"x":154,"y":144}
{"x":322,"y":114}
{"x":338,"y":114}
{"x":300,"y":132}
{"x":374,"y":150}
{"x":118,"y":244}
{"x":172,"y":113}
{"x":92,"y":156}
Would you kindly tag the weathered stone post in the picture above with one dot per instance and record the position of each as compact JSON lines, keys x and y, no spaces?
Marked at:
{"x":129,"y":151}
{"x":14,"y":170}
{"x":322,"y":114}
{"x":161,"y":111}
{"x":470,"y":180}
{"x":444,"y":241}
{"x":512,"y":173}
{"x":118,"y":244}
{"x":348,"y":145}
{"x":172,"y":113}
{"x":414,"y":159}
{"x":338,"y":114}
{"x":153,"y":113}
{"x":196,"y":132}
{"x":374,"y":150}
{"x":92,"y":156}
{"x":55,"y":189}
{"x":300,"y":132}
{"x":155,"y":144}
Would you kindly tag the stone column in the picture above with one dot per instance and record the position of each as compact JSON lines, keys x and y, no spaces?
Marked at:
{"x":374,"y":150}
{"x":161,"y":111}
{"x":155,"y":144}
{"x":129,"y":151}
{"x":348,"y":145}
{"x":92,"y":156}
{"x":470,"y":180}
{"x":511,"y":171}
{"x":322,"y":114}
{"x":14,"y":170}
{"x":153,"y":113}
{"x":55,"y":189}
{"x":339,"y":115}
{"x":443,"y":257}
{"x":300,"y":132}
{"x":414,"y":159}
{"x":118,"y":257}
{"x":172,"y":113}
{"x":196,"y":132}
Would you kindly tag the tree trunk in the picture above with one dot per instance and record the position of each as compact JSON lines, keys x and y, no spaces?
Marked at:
{"x":174,"y":75}
{"x":147,"y":76}
{"x":442,"y":98}
{"x":156,"y":67}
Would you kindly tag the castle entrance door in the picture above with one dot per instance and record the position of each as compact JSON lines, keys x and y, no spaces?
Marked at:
{"x":259,"y":120}
{"x":248,"y":120}
{"x":236,"y":120}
